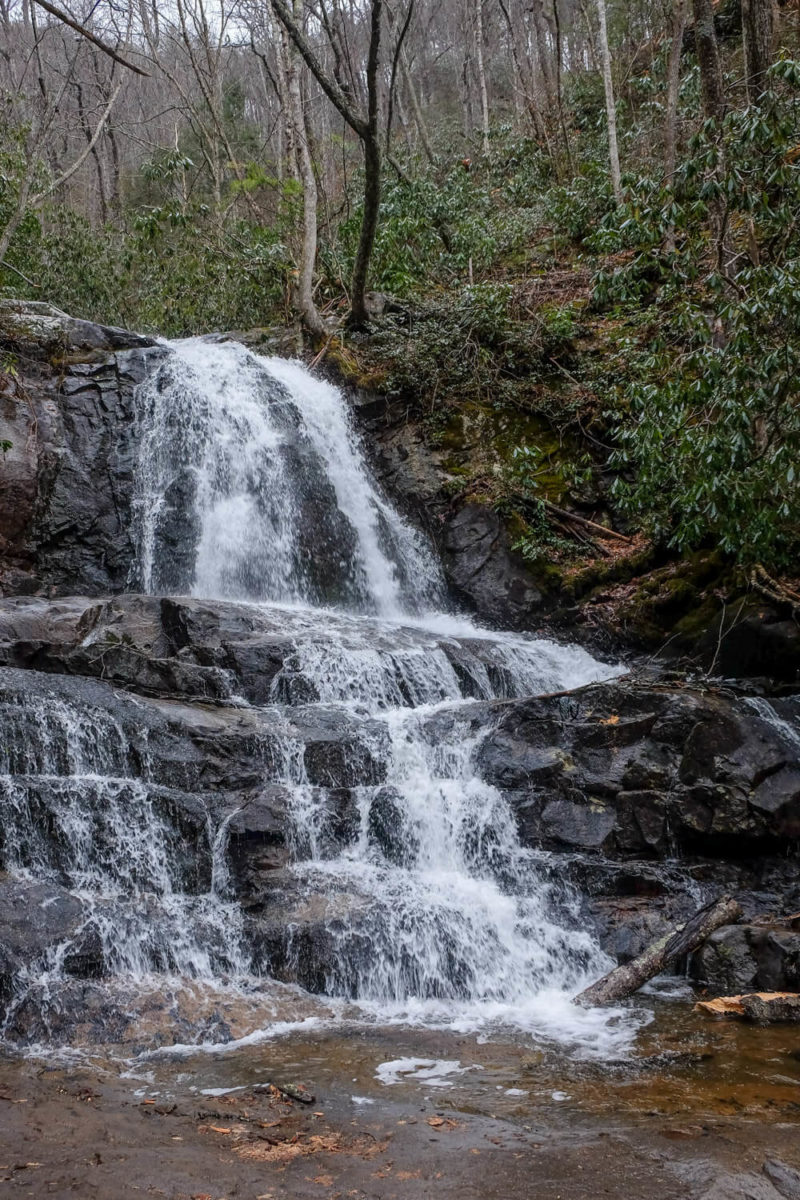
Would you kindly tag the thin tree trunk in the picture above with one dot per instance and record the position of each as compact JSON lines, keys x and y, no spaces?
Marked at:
{"x":624,"y":980}
{"x":365,"y":127}
{"x":372,"y":176}
{"x":611,"y":108}
{"x":467,"y":98}
{"x":559,"y":89}
{"x":673,"y":89}
{"x":304,"y":287}
{"x":713,"y":95}
{"x":419,"y":120}
{"x":758,"y":28}
{"x":369,"y":225}
{"x":482,"y":75}
{"x":524,"y":88}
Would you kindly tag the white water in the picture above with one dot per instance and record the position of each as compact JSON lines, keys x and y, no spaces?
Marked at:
{"x":260,"y":449}
{"x":252,"y":487}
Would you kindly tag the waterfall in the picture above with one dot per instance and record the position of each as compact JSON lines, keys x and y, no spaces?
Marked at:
{"x":252,"y":487}
{"x":408,"y":891}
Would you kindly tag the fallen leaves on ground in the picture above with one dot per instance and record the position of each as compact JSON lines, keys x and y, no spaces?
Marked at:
{"x":441,"y":1123}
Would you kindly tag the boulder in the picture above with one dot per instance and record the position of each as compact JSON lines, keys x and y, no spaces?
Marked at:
{"x":762,"y":1008}
{"x":741,"y":958}
{"x":485,"y":571}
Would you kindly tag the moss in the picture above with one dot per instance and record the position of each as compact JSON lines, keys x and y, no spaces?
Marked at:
{"x":351,"y":369}
{"x":63,"y":361}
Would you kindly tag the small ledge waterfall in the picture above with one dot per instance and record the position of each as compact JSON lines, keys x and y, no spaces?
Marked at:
{"x":407,"y":891}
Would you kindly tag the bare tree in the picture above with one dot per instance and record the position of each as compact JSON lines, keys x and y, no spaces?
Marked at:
{"x":304,"y":288}
{"x":46,"y":103}
{"x":673,"y":88}
{"x":364,"y":124}
{"x":481,"y":75}
{"x":611,"y":108}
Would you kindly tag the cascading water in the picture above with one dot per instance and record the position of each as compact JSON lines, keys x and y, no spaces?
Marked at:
{"x":252,"y":488}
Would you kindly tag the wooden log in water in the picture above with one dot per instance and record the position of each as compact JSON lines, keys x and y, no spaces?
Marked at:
{"x":628,"y":978}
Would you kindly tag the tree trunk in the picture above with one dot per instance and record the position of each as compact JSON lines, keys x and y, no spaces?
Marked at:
{"x":708,"y":59}
{"x":713,"y":94}
{"x":673,"y":89}
{"x":419,"y":120}
{"x":365,"y":128}
{"x":758,"y":27}
{"x":543,"y":53}
{"x":369,"y":225}
{"x":559,"y":88}
{"x":304,"y":286}
{"x":482,"y":75}
{"x":624,"y":980}
{"x":611,"y":108}
{"x":524,"y":87}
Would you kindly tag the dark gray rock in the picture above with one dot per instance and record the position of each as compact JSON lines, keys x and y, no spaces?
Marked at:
{"x":484,"y":570}
{"x":785,"y":1180}
{"x":66,"y":482}
{"x":36,"y":921}
{"x":649,"y":770}
{"x":742,"y":958}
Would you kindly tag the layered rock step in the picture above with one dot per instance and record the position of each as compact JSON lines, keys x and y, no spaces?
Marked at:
{"x":175,"y":783}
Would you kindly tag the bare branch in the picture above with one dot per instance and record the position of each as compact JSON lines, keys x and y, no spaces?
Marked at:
{"x":60,"y":15}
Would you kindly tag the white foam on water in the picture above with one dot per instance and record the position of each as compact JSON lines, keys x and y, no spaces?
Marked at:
{"x":433,"y":1072}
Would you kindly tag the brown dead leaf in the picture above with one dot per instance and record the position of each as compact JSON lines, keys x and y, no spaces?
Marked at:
{"x":217,"y":1128}
{"x":612,"y":720}
{"x":435,"y":1122}
{"x":324,"y":1180}
{"x":405,"y":1175}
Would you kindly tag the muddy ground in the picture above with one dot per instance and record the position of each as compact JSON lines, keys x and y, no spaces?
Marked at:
{"x":718,"y":1117}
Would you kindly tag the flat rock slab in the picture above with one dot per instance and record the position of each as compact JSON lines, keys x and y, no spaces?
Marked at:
{"x":763,"y":1008}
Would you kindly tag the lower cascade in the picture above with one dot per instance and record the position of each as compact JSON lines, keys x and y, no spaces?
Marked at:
{"x":316,"y":821}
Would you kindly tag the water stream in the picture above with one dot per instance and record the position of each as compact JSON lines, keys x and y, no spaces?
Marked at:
{"x":252,"y":487}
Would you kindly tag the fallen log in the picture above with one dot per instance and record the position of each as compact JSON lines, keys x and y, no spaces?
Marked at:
{"x":564,"y":515}
{"x":625,"y":980}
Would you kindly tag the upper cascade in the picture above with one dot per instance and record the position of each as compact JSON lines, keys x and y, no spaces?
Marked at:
{"x":252,"y":486}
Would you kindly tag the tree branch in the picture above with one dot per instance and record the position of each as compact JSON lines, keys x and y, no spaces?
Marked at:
{"x":81,"y":159}
{"x":329,"y":86}
{"x":60,"y":15}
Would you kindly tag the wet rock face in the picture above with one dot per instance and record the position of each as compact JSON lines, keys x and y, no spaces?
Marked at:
{"x":485,"y":573}
{"x":648,"y":772}
{"x":741,"y":958}
{"x":483,"y":569}
{"x":66,"y":482}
